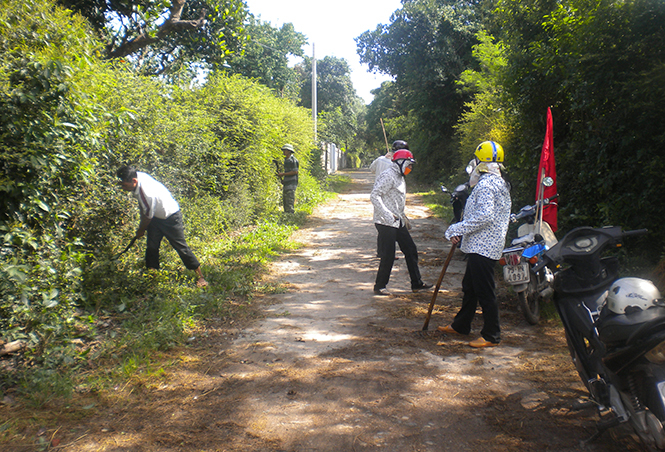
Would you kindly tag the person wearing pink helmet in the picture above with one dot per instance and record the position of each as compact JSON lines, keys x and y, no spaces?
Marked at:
{"x":388,"y":198}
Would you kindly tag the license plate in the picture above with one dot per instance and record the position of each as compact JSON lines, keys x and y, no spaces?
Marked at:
{"x":516,"y":274}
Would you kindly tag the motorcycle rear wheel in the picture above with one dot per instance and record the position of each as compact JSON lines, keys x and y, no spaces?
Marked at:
{"x":529,"y":302}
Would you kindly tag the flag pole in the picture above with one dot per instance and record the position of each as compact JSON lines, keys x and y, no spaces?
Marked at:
{"x":544,"y":167}
{"x":541,"y":198}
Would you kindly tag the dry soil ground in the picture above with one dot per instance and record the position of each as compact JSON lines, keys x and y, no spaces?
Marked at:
{"x":331,"y":367}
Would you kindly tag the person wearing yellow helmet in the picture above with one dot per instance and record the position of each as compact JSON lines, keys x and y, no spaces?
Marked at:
{"x":488,"y":158}
{"x":489,"y":151}
{"x":482,"y":234}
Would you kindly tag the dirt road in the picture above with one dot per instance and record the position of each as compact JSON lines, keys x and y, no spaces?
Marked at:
{"x":331,"y":367}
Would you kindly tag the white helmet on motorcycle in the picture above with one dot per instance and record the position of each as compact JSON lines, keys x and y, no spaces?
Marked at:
{"x":632,"y":294}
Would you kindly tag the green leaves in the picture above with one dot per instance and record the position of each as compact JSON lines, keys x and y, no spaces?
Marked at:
{"x":49,"y":298}
{"x":591,"y":62}
{"x":265,"y":56}
{"x":425,"y":48}
{"x":67,"y":121}
{"x":164,"y":37}
{"x":15,"y":272}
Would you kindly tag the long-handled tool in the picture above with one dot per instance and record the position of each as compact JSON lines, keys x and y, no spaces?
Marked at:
{"x":125,"y":250}
{"x":384,"y":135}
{"x":438,"y":284}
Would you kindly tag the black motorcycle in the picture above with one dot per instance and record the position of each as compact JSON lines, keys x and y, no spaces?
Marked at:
{"x":615,"y":330}
{"x":458,"y":199}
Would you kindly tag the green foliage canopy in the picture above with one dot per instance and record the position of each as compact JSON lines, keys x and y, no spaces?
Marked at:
{"x":68,"y":119}
{"x":600,"y":65}
{"x":426,"y":47}
{"x":161,"y":36}
{"x":334,"y":85}
{"x":265,"y":56}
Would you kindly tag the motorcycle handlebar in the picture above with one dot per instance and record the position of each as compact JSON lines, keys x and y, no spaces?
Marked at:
{"x":635,"y":232}
{"x":539,"y":265}
{"x":546,"y":259}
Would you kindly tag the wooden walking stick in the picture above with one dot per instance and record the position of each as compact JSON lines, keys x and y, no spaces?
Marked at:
{"x":384,"y":135}
{"x":438,"y":285}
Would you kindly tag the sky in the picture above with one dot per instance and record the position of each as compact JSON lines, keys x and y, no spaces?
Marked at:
{"x":332,"y":26}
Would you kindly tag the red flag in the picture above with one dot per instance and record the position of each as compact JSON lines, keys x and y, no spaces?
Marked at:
{"x":547,"y":168}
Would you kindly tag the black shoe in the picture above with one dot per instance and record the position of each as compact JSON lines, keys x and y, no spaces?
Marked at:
{"x":423,"y":286}
{"x":382,"y":292}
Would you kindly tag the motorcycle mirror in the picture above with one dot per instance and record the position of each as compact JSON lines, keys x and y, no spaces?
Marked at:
{"x":470,"y":167}
{"x":548,"y":181}
{"x":444,"y":189}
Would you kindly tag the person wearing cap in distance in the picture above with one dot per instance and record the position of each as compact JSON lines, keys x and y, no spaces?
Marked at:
{"x":160,"y":217}
{"x":289,"y":178}
{"x":388,"y":198}
{"x":482,"y":233}
{"x":383,"y":162}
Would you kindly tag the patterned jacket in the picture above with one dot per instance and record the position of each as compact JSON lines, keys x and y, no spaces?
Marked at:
{"x":388,"y":198}
{"x":486,"y":216}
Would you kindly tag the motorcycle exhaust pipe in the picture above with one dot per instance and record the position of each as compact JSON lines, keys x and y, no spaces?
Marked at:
{"x":547,"y":293}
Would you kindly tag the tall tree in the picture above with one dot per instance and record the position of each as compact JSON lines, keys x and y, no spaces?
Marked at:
{"x":426,"y":47}
{"x":162,"y":35}
{"x":265,"y":57}
{"x":334,"y":85}
{"x":600,"y":66}
{"x":340,"y":108}
{"x":486,"y":114}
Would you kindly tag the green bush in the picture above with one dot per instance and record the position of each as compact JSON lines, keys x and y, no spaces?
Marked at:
{"x":67,"y":121}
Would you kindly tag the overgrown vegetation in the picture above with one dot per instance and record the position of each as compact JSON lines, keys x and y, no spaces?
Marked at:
{"x":68,"y":119}
{"x":466,"y":72}
{"x":71,"y":113}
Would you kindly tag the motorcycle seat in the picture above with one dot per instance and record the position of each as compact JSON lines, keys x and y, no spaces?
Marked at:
{"x":615,"y":329}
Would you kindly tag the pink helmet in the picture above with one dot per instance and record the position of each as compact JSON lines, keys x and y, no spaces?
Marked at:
{"x":403,"y":154}
{"x":404,"y":160}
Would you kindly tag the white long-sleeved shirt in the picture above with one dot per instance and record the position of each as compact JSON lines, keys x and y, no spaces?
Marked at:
{"x":486,"y":217}
{"x":389,"y":197}
{"x":154,"y":198}
{"x":379,"y":165}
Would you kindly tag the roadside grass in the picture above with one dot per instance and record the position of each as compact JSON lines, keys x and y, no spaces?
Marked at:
{"x":136,"y":320}
{"x":337,"y":183}
{"x":438,"y":202}
{"x":134,"y":326}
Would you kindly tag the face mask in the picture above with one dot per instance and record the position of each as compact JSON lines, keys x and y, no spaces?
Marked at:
{"x":474,"y":177}
{"x":404,"y":166}
{"x":484,"y":167}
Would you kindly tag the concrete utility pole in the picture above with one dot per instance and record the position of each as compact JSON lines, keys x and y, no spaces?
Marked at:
{"x":314,"y":101}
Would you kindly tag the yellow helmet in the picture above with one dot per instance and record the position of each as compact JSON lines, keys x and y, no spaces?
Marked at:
{"x":489,"y":151}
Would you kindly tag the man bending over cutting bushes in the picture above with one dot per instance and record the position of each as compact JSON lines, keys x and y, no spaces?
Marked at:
{"x":160,"y":217}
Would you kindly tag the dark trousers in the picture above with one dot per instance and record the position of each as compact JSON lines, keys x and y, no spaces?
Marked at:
{"x":173,"y":229}
{"x":387,"y":238}
{"x":289,"y":198}
{"x":478,"y":286}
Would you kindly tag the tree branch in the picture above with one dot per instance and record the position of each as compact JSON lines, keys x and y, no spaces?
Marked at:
{"x":173,"y":24}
